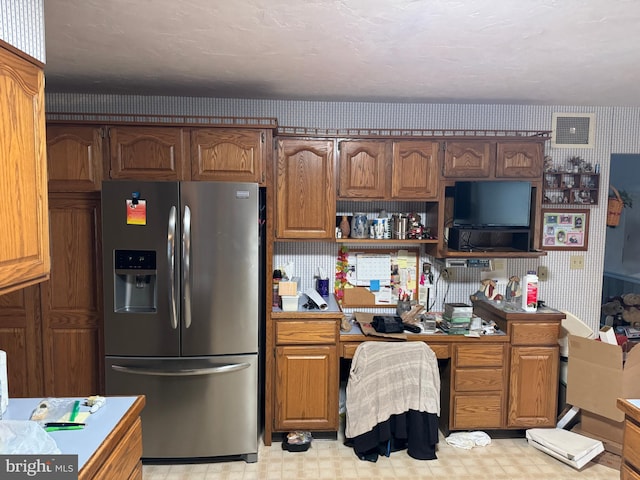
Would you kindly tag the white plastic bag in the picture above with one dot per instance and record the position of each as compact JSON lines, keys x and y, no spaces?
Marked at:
{"x":468,"y":440}
{"x":25,"y":437}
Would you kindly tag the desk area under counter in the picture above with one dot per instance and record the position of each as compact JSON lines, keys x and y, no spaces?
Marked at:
{"x":504,"y":381}
{"x":108,"y":448}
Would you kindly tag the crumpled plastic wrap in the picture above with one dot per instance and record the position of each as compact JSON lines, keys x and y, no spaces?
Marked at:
{"x":51,"y":410}
{"x":468,"y":440}
{"x":25,"y":437}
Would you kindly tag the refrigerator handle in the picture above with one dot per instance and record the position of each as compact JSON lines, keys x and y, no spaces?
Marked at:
{"x":171,"y":259}
{"x":186,"y":265}
{"x":181,"y":372}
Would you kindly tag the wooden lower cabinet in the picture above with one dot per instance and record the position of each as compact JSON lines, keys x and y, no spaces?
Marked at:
{"x":533,"y":387}
{"x":306,"y":388}
{"x":306,"y":374}
{"x":630,"y":469}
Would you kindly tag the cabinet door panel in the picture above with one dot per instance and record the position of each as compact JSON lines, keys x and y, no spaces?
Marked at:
{"x":518,"y":160}
{"x":414,"y":170}
{"x":466,"y":159}
{"x":305,"y":189}
{"x":306,"y":391}
{"x":533,"y":387}
{"x":362,"y":169}
{"x":71,"y":300}
{"x":227,"y":154}
{"x":74,"y":158}
{"x":24,"y":236}
{"x":149,"y":153}
{"x":20,"y":337}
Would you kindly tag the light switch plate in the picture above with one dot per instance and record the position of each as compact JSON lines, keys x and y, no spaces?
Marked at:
{"x":543,"y":273}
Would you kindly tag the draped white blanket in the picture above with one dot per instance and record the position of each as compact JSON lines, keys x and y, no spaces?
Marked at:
{"x":389,"y":378}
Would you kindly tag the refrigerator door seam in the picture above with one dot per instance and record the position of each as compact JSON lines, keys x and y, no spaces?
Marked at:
{"x":182,"y":372}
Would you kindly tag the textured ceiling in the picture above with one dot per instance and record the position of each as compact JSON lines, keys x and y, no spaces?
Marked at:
{"x":553,"y":52}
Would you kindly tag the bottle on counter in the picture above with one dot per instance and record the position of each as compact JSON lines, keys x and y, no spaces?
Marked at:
{"x":530,"y":292}
{"x":277,"y":276}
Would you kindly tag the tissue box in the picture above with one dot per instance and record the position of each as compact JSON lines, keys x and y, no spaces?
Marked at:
{"x":289,"y":303}
{"x":287,"y":288}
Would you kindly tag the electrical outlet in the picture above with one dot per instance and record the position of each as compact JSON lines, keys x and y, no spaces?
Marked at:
{"x":543,"y":273}
{"x":576,"y":262}
{"x":448,"y":274}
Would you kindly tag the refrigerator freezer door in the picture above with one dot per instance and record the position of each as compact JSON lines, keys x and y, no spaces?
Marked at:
{"x":195,"y":407}
{"x":222,"y":271}
{"x":136,"y":331}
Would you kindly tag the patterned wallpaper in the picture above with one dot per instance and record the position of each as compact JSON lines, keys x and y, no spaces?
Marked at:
{"x":22,"y":25}
{"x":576,"y":291}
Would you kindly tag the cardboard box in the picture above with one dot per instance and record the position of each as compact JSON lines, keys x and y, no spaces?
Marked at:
{"x":597,"y":377}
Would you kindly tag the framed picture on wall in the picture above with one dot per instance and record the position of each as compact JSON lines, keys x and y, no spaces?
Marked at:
{"x":565,"y":229}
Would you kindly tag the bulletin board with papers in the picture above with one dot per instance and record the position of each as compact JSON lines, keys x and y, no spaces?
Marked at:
{"x":377,"y":278}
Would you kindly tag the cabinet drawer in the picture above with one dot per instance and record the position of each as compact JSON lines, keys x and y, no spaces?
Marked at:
{"x":306,"y":332}
{"x":441,"y":350}
{"x":478,"y":380}
{"x":476,"y":411}
{"x":535,"y":333}
{"x":348,"y":350}
{"x":479,"y":355}
{"x":631,"y":444}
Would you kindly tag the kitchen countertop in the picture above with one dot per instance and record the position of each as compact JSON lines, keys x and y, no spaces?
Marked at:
{"x":332,"y":307}
{"x":85,"y":442}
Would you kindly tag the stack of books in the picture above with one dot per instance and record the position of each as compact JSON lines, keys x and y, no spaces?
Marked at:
{"x":456,"y":318}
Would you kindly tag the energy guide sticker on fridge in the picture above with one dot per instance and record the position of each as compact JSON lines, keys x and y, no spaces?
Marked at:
{"x":136,"y":212}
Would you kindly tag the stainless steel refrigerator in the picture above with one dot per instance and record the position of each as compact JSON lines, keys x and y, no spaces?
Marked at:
{"x":182,"y":301}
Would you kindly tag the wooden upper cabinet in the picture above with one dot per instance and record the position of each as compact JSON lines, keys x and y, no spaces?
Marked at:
{"x":74,"y":158}
{"x":24,"y":236}
{"x":519,"y":159}
{"x":362,"y":169}
{"x":305,"y":192}
{"x":228,"y":154}
{"x":414,"y":170}
{"x":467,"y":159}
{"x":149,"y":153}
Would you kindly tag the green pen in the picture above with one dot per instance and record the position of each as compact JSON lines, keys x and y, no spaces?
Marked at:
{"x":74,"y":411}
{"x":55,"y":429}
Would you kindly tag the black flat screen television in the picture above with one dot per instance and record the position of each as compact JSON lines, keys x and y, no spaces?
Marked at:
{"x":492,"y":204}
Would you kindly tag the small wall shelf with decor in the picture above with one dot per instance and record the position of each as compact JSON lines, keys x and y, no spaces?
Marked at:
{"x":570,"y":188}
{"x":577,"y":182}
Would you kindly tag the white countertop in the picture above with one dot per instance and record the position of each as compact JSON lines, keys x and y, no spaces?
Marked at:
{"x":81,"y":442}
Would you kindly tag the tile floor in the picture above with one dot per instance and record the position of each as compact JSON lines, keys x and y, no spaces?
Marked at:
{"x":505,"y":459}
